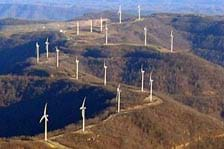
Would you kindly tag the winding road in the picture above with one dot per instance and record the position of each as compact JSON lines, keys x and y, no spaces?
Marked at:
{"x":53,"y":144}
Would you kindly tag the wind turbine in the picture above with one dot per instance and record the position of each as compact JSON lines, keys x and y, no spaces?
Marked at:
{"x":83,"y":109}
{"x":151,"y":81}
{"x":57,"y":57}
{"x":105,"y":73}
{"x":142,"y":72}
{"x":171,"y":42}
{"x":77,"y":25}
{"x":139,"y":12}
{"x":145,"y":31}
{"x":118,"y":98}
{"x":38,"y":52}
{"x":47,"y":45}
{"x":77,"y":68}
{"x":45,"y":117}
{"x":101,"y":24}
{"x":91,"y":26}
{"x":106,"y":34}
{"x":120,"y":13}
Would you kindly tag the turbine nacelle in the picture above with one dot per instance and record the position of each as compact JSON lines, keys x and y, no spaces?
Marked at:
{"x":37,"y":45}
{"x":45,"y":115}
{"x":76,"y":60}
{"x":47,"y":43}
{"x":104,"y":65}
{"x":57,"y":50}
{"x":118,"y":88}
{"x":145,"y":29}
{"x":151,"y":77}
{"x":83,"y":104}
{"x":119,"y":11}
{"x":171,"y":33}
{"x":139,"y":7}
{"x":142,"y":70}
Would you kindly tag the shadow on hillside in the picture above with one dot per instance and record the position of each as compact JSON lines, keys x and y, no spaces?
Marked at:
{"x":23,"y":117}
{"x":18,"y":48}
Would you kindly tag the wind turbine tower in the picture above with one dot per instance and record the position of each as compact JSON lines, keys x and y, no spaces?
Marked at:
{"x":77,"y":25}
{"x":38,"y":52}
{"x":91,"y":26}
{"x":142,"y":72}
{"x":47,"y":47}
{"x":77,"y":68}
{"x":57,"y":57}
{"x":171,"y":42}
{"x":120,"y":14}
{"x":118,"y":98}
{"x":45,"y":117}
{"x":139,"y":12}
{"x":145,"y":31}
{"x":105,"y":73}
{"x":101,"y":24}
{"x":151,"y":81}
{"x":83,"y":109}
{"x":106,"y":42}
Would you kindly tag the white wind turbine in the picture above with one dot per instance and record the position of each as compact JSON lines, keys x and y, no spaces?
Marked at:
{"x":77,"y":27}
{"x":106,"y":28}
{"x":47,"y":47}
{"x":142,"y":72}
{"x":83,"y":109}
{"x":171,"y":41}
{"x":145,"y":32}
{"x":45,"y":117}
{"x":38,"y":52}
{"x":118,"y":98}
{"x":77,"y":68}
{"x":105,"y":73}
{"x":120,"y":14}
{"x":91,"y":26}
{"x":101,"y":24}
{"x":151,"y":81}
{"x":139,"y":12}
{"x":57,"y":57}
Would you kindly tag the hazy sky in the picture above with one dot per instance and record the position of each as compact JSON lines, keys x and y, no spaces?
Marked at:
{"x":215,"y":2}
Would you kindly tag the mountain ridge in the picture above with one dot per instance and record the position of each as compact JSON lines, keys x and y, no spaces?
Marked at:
{"x":65,"y":10}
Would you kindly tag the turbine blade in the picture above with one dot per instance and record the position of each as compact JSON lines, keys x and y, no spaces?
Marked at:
{"x":46,"y":117}
{"x":151,"y":75}
{"x":45,"y":109}
{"x":83,"y":104}
{"x":41,"y":119}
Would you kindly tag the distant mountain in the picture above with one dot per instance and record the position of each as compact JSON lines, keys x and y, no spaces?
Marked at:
{"x":68,"y":9}
{"x":39,"y":12}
